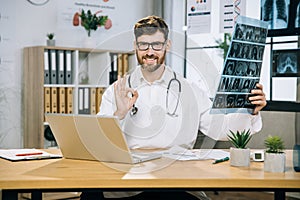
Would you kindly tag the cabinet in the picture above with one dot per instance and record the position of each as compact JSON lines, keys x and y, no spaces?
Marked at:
{"x":61,"y":79}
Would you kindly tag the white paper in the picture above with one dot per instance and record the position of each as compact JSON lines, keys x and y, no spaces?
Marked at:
{"x":179,"y":153}
{"x":20,"y":154}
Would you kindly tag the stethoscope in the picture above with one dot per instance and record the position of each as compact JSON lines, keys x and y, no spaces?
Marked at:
{"x":134,"y":109}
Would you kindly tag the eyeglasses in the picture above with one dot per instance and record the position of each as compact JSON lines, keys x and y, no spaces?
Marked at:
{"x":156,"y":46}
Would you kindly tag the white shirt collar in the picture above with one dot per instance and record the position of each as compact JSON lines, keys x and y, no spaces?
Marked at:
{"x":137,"y":78}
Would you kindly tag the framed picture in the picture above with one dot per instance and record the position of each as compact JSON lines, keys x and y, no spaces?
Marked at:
{"x":286,"y":63}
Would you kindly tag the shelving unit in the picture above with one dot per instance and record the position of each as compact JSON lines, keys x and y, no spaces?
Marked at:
{"x":90,"y":69}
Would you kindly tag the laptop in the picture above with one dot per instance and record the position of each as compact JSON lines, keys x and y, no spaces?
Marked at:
{"x":93,"y":137}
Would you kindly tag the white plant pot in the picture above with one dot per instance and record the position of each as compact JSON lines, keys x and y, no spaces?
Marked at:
{"x":89,"y":42}
{"x":274,"y":162}
{"x":50,"y":42}
{"x":239,"y":157}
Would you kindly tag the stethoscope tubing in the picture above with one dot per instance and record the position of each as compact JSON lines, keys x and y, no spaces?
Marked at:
{"x":134,"y":109}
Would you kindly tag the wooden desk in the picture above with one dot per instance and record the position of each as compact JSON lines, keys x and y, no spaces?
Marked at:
{"x":78,"y":175}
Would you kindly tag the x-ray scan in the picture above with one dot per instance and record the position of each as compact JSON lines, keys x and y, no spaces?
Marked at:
{"x":286,"y":62}
{"x":242,"y":67}
{"x":282,"y":16}
{"x":275,"y":12}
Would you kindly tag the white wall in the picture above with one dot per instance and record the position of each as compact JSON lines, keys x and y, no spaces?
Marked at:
{"x":23,"y":24}
{"x":27,"y":25}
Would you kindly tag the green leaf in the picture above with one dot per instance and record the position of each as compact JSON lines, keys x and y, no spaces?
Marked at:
{"x":239,"y":139}
{"x":274,"y":144}
{"x":91,"y":21}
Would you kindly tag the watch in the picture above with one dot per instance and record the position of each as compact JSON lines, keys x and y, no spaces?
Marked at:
{"x":38,"y":2}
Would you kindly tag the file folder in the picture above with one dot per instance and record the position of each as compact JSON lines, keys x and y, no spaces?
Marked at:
{"x":68,"y":67}
{"x":125,"y":63}
{"x":99,"y":94}
{"x":60,"y":66}
{"x":53,"y":68}
{"x":53,"y":100}
{"x":46,"y":67}
{"x":61,"y":100}
{"x":120,"y":64}
{"x":80,"y":100}
{"x":113,"y":74}
{"x":86,"y":101}
{"x":47,"y":100}
{"x":93,"y":101}
{"x":69,"y":100}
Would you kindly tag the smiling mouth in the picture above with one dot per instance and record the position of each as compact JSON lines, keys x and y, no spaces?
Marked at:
{"x":150,"y":60}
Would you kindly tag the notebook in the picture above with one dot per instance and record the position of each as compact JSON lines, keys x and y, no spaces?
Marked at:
{"x":93,"y":137}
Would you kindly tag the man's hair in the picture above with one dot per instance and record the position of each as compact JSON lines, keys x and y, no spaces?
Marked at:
{"x":149,"y":25}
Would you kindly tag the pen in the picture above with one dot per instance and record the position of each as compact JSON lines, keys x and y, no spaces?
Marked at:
{"x":221,"y":160}
{"x":29,"y":154}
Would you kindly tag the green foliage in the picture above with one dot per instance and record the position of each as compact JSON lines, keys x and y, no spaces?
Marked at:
{"x":240,"y":139}
{"x":224,"y":44}
{"x":50,"y":36}
{"x":91,"y":21}
{"x":274,"y":144}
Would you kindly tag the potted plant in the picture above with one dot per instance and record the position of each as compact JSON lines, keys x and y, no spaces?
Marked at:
{"x":274,"y":154}
{"x":50,"y":40}
{"x":239,"y":154}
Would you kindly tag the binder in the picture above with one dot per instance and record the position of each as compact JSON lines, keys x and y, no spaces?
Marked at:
{"x":93,"y":92}
{"x":68,"y":67}
{"x":53,"y":67}
{"x":80,"y":100}
{"x":86,"y":101}
{"x":114,"y":68}
{"x":60,"y":66}
{"x":47,"y":100}
{"x":53,"y":100}
{"x":61,"y":100}
{"x":125,"y":63}
{"x":120,"y":65}
{"x":69,"y":100}
{"x":99,"y":94}
{"x":46,"y":68}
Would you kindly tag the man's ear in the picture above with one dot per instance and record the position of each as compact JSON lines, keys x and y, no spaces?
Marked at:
{"x":168,"y":47}
{"x":134,"y":44}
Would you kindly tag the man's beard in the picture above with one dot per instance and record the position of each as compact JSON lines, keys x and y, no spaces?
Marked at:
{"x":151,"y":67}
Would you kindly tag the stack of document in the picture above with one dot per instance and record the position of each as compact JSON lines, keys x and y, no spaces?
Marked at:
{"x":26,"y":154}
{"x":179,"y":153}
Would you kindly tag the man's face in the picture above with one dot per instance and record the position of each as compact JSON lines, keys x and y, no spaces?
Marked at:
{"x":152,"y":56}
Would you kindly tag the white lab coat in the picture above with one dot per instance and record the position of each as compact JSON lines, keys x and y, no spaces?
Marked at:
{"x":152,"y":127}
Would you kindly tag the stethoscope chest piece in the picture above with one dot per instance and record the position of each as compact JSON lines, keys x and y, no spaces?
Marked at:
{"x":133,"y":110}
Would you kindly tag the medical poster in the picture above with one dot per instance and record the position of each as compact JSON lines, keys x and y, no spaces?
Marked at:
{"x":198,"y":16}
{"x":230,"y":10}
{"x":242,"y":67}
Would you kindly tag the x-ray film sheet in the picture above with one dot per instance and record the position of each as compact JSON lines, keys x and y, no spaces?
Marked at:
{"x":242,"y":67}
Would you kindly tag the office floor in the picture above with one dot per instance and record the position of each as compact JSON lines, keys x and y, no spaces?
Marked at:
{"x":211,"y":195}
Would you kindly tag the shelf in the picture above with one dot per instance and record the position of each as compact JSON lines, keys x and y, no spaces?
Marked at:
{"x":56,"y":88}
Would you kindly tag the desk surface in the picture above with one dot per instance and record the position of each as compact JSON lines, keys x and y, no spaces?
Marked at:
{"x":80,"y":174}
